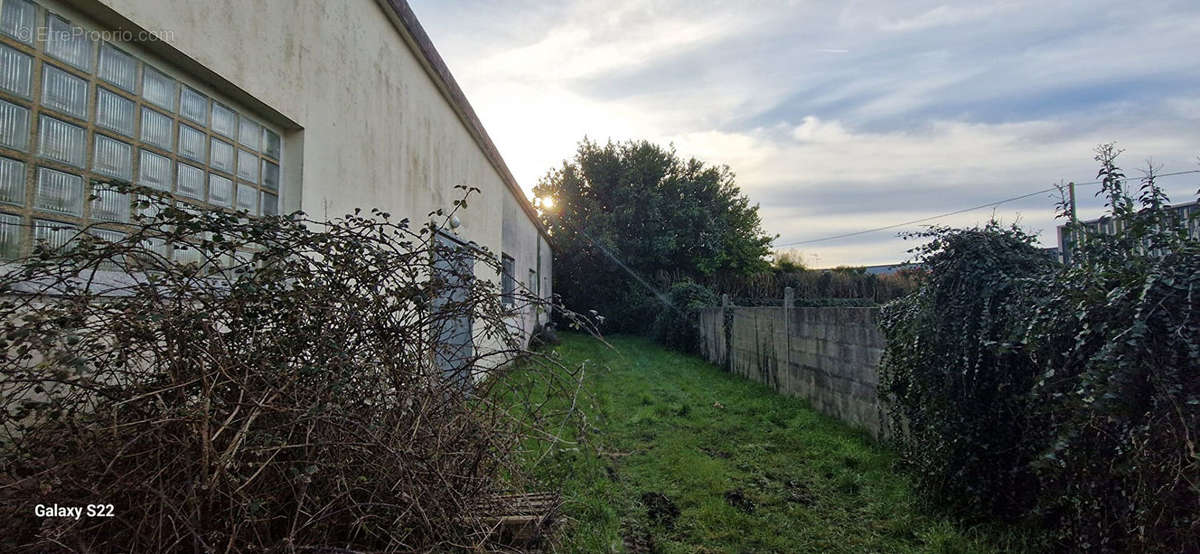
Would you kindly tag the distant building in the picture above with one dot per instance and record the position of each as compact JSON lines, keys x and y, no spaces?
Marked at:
{"x":888,"y":269}
{"x":1189,"y":212}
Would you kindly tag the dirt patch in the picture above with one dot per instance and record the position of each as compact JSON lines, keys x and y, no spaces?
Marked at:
{"x":660,"y":509}
{"x":799,"y":493}
{"x":738,"y":499}
{"x":715,"y":453}
{"x":637,"y":541}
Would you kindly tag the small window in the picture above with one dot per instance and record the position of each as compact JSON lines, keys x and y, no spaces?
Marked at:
{"x":508,"y":283}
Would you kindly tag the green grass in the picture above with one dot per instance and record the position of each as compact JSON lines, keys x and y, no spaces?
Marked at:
{"x":801,"y":481}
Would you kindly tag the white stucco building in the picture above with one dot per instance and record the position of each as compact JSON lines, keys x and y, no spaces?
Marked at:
{"x":265,"y":105}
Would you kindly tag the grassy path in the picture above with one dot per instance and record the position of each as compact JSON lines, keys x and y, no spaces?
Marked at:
{"x":692,"y":459}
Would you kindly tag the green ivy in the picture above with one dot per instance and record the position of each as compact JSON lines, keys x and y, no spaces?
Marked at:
{"x":1068,"y":396}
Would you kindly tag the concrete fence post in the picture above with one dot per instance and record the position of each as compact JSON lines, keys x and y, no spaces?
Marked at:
{"x":789,"y":304}
{"x":727,"y":332}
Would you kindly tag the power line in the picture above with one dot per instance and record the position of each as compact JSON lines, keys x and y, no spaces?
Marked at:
{"x":964,"y":210}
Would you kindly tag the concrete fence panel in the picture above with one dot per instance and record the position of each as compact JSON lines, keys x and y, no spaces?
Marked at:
{"x":828,"y":356}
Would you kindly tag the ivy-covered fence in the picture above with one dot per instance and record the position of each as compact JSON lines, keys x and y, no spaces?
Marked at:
{"x":1064,"y":396}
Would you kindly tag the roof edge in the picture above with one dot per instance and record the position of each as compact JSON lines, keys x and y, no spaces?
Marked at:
{"x":412,"y":31}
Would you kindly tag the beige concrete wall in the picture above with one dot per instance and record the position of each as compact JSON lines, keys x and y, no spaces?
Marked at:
{"x":829,"y":356}
{"x":364,"y":123}
{"x":374,"y":128}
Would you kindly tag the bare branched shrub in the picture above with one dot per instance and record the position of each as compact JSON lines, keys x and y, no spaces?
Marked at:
{"x":250,"y":384}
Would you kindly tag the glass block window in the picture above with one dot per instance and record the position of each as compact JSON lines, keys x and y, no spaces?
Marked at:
{"x":113,"y":158}
{"x":189,"y":181}
{"x":58,"y":192}
{"x":156,"y":128}
{"x":16,"y":71}
{"x":115,"y":112}
{"x":220,"y":190}
{"x":14,"y":126}
{"x":80,"y":116}
{"x":158,"y":89}
{"x":270,"y":204}
{"x":224,"y":121}
{"x":108,"y":236}
{"x":118,"y":68}
{"x":221,"y":153}
{"x":17,"y":19}
{"x":10,"y":236}
{"x":193,"y":106}
{"x":61,"y":141}
{"x":67,"y":43}
{"x":52,"y":234}
{"x":247,"y":166}
{"x":110,"y":204}
{"x":64,"y":92}
{"x":249,"y":133}
{"x":12,"y":181}
{"x":270,"y":175}
{"x":271,"y":143}
{"x":155,"y":171}
{"x":192,"y":143}
{"x":247,"y":198}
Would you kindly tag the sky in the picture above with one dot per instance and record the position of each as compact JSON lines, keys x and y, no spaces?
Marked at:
{"x":839,"y":117}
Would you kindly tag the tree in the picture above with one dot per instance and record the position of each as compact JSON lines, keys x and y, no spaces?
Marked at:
{"x":788,"y":261}
{"x":626,"y":212}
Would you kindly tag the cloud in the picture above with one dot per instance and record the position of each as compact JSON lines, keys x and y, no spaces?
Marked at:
{"x":841,"y":117}
{"x":942,"y":16}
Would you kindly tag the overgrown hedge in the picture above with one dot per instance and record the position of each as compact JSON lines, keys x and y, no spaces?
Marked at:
{"x":677,"y":323}
{"x":1068,"y":397}
{"x":233,"y":384}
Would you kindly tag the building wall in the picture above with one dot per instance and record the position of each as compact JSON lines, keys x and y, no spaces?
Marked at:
{"x":364,"y":123}
{"x":521,"y":240}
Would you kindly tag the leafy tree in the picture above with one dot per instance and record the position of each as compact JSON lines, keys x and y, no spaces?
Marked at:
{"x":625,"y":212}
{"x":787,"y":261}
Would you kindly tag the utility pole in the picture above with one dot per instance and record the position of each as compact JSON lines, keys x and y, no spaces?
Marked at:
{"x":1072,"y":231}
{"x":1071,"y":190}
